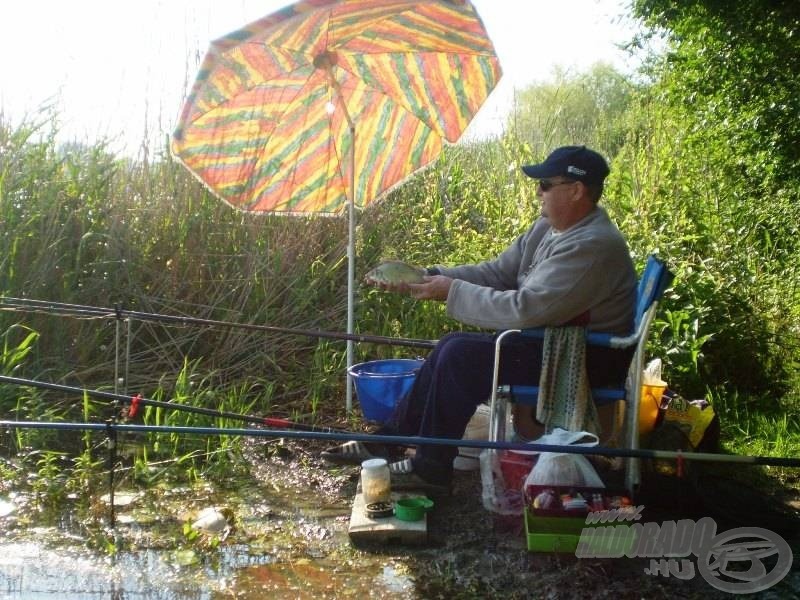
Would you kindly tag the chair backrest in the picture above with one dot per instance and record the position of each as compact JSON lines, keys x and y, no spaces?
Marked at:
{"x":654,"y":280}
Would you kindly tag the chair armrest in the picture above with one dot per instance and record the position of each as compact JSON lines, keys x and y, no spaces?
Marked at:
{"x":593,"y":338}
{"x":536,"y":333}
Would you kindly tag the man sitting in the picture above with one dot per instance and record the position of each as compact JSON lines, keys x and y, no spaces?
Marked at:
{"x":572,"y":267}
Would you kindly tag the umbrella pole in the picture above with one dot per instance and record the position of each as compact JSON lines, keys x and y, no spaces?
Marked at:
{"x":326,"y":61}
{"x":351,"y":261}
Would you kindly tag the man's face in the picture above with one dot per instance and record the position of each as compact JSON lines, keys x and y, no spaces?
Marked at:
{"x":555,"y":194}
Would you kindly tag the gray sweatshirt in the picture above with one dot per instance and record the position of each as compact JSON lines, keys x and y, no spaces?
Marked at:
{"x":547,"y":278}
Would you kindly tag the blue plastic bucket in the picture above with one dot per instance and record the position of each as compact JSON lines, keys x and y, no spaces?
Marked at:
{"x":381,"y":383}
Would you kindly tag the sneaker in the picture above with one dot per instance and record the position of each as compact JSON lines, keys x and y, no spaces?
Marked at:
{"x":349,"y":453}
{"x":354,"y":453}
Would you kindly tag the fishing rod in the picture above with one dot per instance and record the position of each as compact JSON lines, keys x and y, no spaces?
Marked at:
{"x":775,"y":461}
{"x":304,"y":431}
{"x":120,"y":313}
{"x":137,"y":401}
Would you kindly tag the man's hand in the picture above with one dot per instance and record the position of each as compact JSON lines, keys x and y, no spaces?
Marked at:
{"x":398,"y":287}
{"x":434,"y":287}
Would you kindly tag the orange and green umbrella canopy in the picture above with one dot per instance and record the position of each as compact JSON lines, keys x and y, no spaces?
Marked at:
{"x":277,"y":106}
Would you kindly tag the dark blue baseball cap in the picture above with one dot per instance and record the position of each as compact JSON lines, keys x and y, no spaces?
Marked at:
{"x":574,"y":162}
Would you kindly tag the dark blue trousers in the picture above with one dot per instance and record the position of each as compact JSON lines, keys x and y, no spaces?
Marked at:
{"x":457,"y":377}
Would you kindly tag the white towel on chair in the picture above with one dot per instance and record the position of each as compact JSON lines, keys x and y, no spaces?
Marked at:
{"x":565,"y":398}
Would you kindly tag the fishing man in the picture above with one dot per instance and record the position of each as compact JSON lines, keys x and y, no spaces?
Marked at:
{"x":572,"y":267}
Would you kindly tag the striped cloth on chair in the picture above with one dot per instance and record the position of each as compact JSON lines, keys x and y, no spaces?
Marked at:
{"x":565,"y":398}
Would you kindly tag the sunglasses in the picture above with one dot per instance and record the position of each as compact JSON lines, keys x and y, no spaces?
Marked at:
{"x":547,"y":184}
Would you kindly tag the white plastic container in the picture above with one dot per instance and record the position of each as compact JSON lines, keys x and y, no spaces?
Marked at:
{"x":477,"y":429}
{"x":376,"y":483}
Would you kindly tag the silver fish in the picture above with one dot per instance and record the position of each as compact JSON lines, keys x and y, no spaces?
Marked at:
{"x":393,"y":272}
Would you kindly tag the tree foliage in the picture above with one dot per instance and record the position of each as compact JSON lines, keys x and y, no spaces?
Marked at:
{"x":717,"y":158}
{"x":574,"y":108}
{"x":734,"y":65}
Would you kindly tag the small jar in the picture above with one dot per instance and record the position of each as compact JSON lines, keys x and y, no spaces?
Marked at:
{"x":375,"y":481}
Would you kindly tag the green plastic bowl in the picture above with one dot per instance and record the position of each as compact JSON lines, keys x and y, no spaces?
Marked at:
{"x":412,"y":509}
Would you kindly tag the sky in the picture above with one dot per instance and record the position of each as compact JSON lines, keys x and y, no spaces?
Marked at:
{"x":120,"y":70}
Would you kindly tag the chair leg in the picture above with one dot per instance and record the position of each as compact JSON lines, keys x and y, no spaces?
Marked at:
{"x":632,"y":465}
{"x":498,"y":417}
{"x":498,"y":404}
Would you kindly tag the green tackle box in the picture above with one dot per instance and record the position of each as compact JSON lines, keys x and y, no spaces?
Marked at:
{"x":562,"y":533}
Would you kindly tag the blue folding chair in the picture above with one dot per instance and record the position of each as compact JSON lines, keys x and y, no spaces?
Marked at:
{"x":654,"y":280}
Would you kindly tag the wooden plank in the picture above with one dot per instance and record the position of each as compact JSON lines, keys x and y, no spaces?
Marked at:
{"x":387,"y":530}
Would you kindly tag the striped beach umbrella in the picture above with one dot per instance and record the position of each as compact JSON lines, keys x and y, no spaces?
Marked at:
{"x":325,"y":105}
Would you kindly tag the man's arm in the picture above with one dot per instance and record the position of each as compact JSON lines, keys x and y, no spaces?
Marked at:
{"x":575,"y":279}
{"x":501,"y":272}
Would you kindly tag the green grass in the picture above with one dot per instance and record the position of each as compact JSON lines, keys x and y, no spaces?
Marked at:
{"x":761,"y":427}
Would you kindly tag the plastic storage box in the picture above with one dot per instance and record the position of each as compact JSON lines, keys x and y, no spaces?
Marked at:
{"x":559,"y":530}
{"x":553,"y":534}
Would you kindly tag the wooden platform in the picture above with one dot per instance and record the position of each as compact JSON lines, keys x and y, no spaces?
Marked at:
{"x":387,"y":530}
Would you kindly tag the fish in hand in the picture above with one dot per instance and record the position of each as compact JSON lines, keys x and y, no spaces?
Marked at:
{"x":395,"y":272}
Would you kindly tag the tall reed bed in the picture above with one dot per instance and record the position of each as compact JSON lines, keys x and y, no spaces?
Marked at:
{"x":84,"y":227}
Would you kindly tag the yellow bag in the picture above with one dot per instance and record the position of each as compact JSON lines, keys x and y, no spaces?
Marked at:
{"x":690,"y":417}
{"x":690,"y":425}
{"x":649,"y":405}
{"x":653,"y":388}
